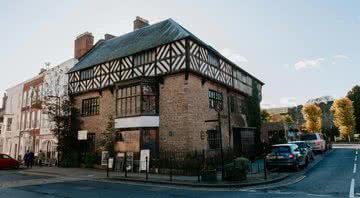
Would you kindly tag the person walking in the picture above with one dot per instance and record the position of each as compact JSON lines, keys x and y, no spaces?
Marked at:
{"x":41,"y":158}
{"x":26,"y":159}
{"x":31,"y":159}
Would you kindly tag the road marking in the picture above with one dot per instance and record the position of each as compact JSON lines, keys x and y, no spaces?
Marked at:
{"x":355,"y":158}
{"x":352,"y":186}
{"x":354,"y":170}
{"x":356,"y":152}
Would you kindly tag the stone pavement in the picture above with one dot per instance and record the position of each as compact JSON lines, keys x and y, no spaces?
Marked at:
{"x":96,"y":174}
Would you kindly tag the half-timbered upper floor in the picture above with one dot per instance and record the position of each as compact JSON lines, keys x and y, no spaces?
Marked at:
{"x":160,"y":49}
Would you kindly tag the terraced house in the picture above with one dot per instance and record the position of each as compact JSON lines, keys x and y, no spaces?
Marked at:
{"x":163,"y":87}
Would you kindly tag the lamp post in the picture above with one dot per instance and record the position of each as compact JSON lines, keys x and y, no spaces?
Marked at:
{"x":218,"y":109}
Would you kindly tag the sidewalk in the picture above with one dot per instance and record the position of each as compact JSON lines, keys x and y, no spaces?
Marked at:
{"x":95,"y":174}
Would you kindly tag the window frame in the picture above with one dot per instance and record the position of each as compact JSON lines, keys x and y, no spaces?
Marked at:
{"x":87,"y":74}
{"x":213,"y":139}
{"x":214,"y":98}
{"x":90,"y":106}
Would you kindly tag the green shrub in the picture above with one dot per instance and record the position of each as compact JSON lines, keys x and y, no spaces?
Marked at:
{"x":237,"y":170}
{"x":208,"y":175}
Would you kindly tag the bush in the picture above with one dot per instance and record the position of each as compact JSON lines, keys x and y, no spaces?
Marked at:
{"x":89,"y":160}
{"x":208,"y":175}
{"x":237,"y":170}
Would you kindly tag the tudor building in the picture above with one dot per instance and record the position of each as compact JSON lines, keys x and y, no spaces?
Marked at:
{"x":161,"y":84}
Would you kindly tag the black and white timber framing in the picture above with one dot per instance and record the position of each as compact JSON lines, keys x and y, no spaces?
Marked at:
{"x":185,"y":55}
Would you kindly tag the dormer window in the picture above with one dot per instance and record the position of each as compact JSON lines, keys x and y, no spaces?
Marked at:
{"x":86,"y":74}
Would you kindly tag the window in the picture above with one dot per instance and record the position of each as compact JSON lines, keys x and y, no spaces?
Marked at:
{"x":87,"y":74}
{"x":27,"y":120}
{"x":236,"y":104}
{"x":38,"y":119}
{"x":213,"y":60}
{"x":137,"y":100}
{"x":144,"y":58}
{"x":8,"y":124}
{"x":32,"y":123}
{"x":28,"y":100}
{"x":24,"y":99}
{"x":213,"y":137}
{"x":215,"y":99}
{"x":90,"y":106}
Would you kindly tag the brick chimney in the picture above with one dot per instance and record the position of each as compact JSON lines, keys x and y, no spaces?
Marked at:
{"x":108,"y":36}
{"x":140,"y":23}
{"x":83,"y":43}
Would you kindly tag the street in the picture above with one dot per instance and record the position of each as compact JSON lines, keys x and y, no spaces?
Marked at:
{"x":335,"y":176}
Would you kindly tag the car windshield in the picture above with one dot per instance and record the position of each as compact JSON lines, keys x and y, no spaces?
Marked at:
{"x":280,"y":149}
{"x":308,"y":137}
{"x":300,"y":144}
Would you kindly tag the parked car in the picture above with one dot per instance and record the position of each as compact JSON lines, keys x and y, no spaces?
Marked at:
{"x":285,"y":155}
{"x":8,"y":162}
{"x":305,"y":149}
{"x":315,"y":140}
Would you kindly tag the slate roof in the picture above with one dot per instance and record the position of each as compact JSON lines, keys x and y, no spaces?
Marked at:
{"x":145,"y":38}
{"x":142,"y":39}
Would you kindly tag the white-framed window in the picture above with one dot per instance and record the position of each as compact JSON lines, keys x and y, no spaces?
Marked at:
{"x":32,"y":120}
{"x":38,"y":119}
{"x":24,"y":99}
{"x":28,"y":100}
{"x":27,"y":115}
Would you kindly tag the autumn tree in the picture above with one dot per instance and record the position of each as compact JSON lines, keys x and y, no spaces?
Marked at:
{"x":312,"y":117}
{"x":354,"y":96}
{"x":265,"y":116}
{"x":343,"y":112}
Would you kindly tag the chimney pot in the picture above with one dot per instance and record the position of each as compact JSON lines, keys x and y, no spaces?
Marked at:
{"x":83,"y":43}
{"x":140,"y":23}
{"x":108,"y":36}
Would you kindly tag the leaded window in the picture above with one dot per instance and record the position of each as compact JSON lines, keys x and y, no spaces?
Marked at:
{"x":213,"y":137}
{"x":90,"y":106}
{"x":86,"y":74}
{"x":144,"y":57}
{"x":213,"y":60}
{"x":215,"y":99}
{"x":137,"y":100}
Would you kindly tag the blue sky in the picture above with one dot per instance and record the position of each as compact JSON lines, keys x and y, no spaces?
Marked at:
{"x":300,"y":49}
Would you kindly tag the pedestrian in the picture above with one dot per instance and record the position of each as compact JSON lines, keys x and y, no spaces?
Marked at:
{"x":41,"y":157}
{"x":26,"y":158}
{"x":31,"y":159}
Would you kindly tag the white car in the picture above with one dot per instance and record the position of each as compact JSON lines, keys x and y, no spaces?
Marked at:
{"x":315,"y":140}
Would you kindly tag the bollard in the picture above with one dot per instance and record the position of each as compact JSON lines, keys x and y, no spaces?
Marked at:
{"x":265,"y":172}
{"x":107,"y":168}
{"x":125,"y":162}
{"x":147,"y":171}
{"x":170,"y":168}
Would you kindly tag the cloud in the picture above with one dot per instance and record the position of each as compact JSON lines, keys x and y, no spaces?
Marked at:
{"x":340,"y":56}
{"x":288,"y":101}
{"x":235,"y":57}
{"x":308,"y":64}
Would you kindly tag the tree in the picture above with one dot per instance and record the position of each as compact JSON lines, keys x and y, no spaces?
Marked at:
{"x":64,"y":123}
{"x":253,"y":115}
{"x":312,"y":117}
{"x":108,"y":139}
{"x":354,"y":96}
{"x":342,"y":110}
{"x":265,"y":116}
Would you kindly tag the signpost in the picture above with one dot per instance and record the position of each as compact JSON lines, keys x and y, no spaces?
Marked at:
{"x":82,"y":135}
{"x":144,"y":154}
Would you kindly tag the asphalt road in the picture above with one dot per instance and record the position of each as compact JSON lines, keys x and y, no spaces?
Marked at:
{"x":331,"y":177}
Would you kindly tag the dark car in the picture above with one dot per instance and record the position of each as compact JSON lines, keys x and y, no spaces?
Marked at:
{"x":305,"y":149}
{"x":285,"y":155}
{"x":8,"y":162}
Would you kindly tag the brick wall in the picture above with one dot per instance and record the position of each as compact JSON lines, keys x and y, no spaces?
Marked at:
{"x":184,"y":108}
{"x":97,"y":123}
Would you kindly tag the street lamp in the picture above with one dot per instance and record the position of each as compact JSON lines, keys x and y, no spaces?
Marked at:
{"x":218,"y":109}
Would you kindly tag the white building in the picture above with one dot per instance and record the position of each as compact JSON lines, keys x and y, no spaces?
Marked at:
{"x":11,"y":125}
{"x":55,"y":87}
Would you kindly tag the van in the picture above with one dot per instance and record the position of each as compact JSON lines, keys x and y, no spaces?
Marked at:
{"x":315,"y":140}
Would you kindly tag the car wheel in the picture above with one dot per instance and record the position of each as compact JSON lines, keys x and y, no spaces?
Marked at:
{"x":296,"y":166}
{"x":306,"y":162}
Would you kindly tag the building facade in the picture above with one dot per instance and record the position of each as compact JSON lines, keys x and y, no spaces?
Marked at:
{"x":2,"y":112}
{"x":165,"y":89}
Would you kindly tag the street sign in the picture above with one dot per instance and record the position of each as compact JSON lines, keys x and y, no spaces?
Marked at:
{"x":111,"y":162}
{"x":82,"y":135}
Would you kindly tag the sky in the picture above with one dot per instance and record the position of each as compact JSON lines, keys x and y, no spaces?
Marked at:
{"x":299,"y":49}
